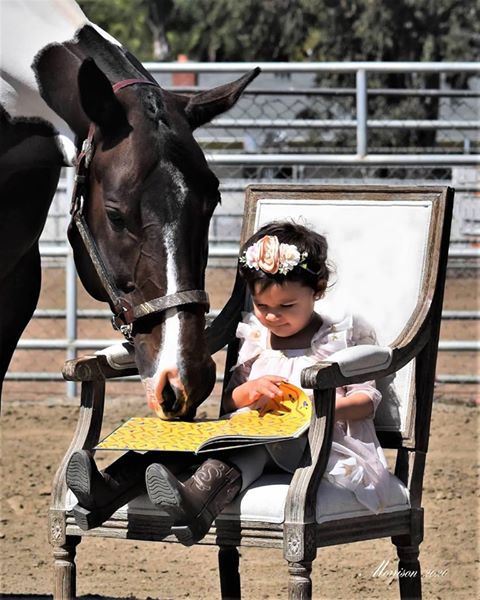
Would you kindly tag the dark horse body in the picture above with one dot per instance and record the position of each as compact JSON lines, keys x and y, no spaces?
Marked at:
{"x":149,"y":191}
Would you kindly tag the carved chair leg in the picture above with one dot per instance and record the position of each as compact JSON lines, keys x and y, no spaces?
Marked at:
{"x":64,"y":569}
{"x":409,"y":574}
{"x":299,"y":581}
{"x":228,"y":566}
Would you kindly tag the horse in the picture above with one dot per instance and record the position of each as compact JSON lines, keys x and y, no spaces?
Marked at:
{"x":144,"y":193}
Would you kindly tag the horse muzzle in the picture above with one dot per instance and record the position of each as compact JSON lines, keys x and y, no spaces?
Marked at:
{"x":172,"y":395}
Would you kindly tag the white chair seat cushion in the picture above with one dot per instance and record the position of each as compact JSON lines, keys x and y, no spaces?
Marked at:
{"x":265,"y":499}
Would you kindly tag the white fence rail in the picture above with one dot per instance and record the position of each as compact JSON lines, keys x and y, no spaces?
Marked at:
{"x":361,"y":71}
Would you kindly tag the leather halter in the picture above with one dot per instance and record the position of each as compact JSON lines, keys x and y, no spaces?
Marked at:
{"x":124,"y":313}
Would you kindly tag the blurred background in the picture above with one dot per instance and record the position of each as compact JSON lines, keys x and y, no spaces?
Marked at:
{"x":351,"y":91}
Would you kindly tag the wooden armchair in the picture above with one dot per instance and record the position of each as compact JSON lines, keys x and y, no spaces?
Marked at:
{"x":389,"y":246}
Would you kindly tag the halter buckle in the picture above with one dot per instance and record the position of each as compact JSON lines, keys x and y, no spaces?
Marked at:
{"x":87,"y":150}
{"x":119,"y":323}
{"x":126,"y":329}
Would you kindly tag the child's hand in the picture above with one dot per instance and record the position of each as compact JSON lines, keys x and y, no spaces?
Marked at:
{"x":266,"y":386}
{"x":262,"y":394}
{"x":256,"y":393}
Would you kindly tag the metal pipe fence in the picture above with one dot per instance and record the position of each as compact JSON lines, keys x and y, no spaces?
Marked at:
{"x":360,"y":95}
{"x":287,"y":126}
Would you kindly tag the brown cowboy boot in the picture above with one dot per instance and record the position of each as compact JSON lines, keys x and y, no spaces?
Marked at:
{"x":101,"y":493}
{"x":195,"y":504}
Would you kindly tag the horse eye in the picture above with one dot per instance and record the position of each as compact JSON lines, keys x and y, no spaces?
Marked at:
{"x":116,"y":219}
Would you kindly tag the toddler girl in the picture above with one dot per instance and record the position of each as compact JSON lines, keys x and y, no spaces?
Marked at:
{"x":285,"y":267}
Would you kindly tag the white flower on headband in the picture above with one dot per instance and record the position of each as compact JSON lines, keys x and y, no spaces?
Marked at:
{"x":289,"y":257}
{"x":269,"y":255}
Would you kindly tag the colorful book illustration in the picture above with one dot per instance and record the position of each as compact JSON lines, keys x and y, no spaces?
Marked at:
{"x":242,"y":428}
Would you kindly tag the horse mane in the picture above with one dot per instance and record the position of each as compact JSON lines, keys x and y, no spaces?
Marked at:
{"x":56,"y":69}
{"x":115,"y":62}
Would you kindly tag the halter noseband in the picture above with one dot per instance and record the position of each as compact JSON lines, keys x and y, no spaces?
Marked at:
{"x":124,"y":313}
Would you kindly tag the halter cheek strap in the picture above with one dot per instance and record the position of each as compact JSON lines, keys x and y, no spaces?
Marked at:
{"x":125,"y":314}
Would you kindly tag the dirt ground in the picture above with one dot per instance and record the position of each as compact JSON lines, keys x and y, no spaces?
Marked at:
{"x":35,"y":434}
{"x":37,"y":425}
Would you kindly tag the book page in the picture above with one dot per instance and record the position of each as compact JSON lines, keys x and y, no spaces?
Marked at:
{"x":151,"y":433}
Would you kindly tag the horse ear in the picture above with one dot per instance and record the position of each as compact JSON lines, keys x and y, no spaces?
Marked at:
{"x":204,"y":106}
{"x":98,"y":98}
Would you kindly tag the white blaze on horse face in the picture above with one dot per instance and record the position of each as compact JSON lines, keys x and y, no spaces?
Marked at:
{"x":167,"y":367}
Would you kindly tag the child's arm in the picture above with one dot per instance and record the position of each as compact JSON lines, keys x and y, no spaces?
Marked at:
{"x":354,"y":407}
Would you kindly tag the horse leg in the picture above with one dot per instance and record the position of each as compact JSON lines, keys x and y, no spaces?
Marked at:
{"x":20,"y":291}
{"x":25,"y":200}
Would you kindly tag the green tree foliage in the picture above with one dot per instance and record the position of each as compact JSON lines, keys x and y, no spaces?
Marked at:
{"x":272,"y":30}
{"x":229,"y":30}
{"x":393,"y":30}
{"x":126,"y":20}
{"x":313,"y":30}
{"x":396,"y":30}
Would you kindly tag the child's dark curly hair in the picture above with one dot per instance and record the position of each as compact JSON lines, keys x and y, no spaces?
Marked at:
{"x":307,"y":241}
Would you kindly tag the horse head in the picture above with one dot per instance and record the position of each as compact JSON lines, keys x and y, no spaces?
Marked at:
{"x":149,"y":196}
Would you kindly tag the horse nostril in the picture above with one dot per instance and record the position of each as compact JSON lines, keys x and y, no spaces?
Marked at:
{"x":173,"y":403}
{"x":177,"y":406}
{"x":169,"y":398}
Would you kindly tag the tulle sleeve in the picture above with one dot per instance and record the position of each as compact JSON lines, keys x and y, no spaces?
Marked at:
{"x":254,"y":338}
{"x":363,"y":333}
{"x":352,"y":330}
{"x":369,"y":388}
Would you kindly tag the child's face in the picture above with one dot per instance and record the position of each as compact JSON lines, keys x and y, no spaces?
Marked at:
{"x":284,"y":309}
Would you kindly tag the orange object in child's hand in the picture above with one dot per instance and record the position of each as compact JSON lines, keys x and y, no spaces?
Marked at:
{"x":273,"y":405}
{"x":290,"y":399}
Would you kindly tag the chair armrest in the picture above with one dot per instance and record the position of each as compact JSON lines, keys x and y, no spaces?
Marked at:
{"x":359,"y":360}
{"x":92,"y":371}
{"x":347,"y":367}
{"x":115,"y":361}
{"x":119,"y":356}
{"x":357,"y":364}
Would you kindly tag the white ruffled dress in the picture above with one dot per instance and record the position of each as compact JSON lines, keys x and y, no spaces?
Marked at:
{"x":357,"y":461}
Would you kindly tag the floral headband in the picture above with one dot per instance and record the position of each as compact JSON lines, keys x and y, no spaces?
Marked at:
{"x":271,"y":256}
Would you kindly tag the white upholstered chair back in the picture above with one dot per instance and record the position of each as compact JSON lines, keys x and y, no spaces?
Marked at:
{"x":377,"y":247}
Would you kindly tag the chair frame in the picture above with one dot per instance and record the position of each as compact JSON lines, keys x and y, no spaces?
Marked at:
{"x":299,"y":535}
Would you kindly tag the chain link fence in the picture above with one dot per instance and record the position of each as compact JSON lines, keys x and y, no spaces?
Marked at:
{"x":346,"y":123}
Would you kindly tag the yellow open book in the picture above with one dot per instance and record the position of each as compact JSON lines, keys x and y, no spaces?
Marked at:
{"x":243,"y":428}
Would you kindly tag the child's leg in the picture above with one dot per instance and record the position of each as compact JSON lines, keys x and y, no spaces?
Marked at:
{"x":195,"y":504}
{"x":101,"y":493}
{"x":251,"y":462}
